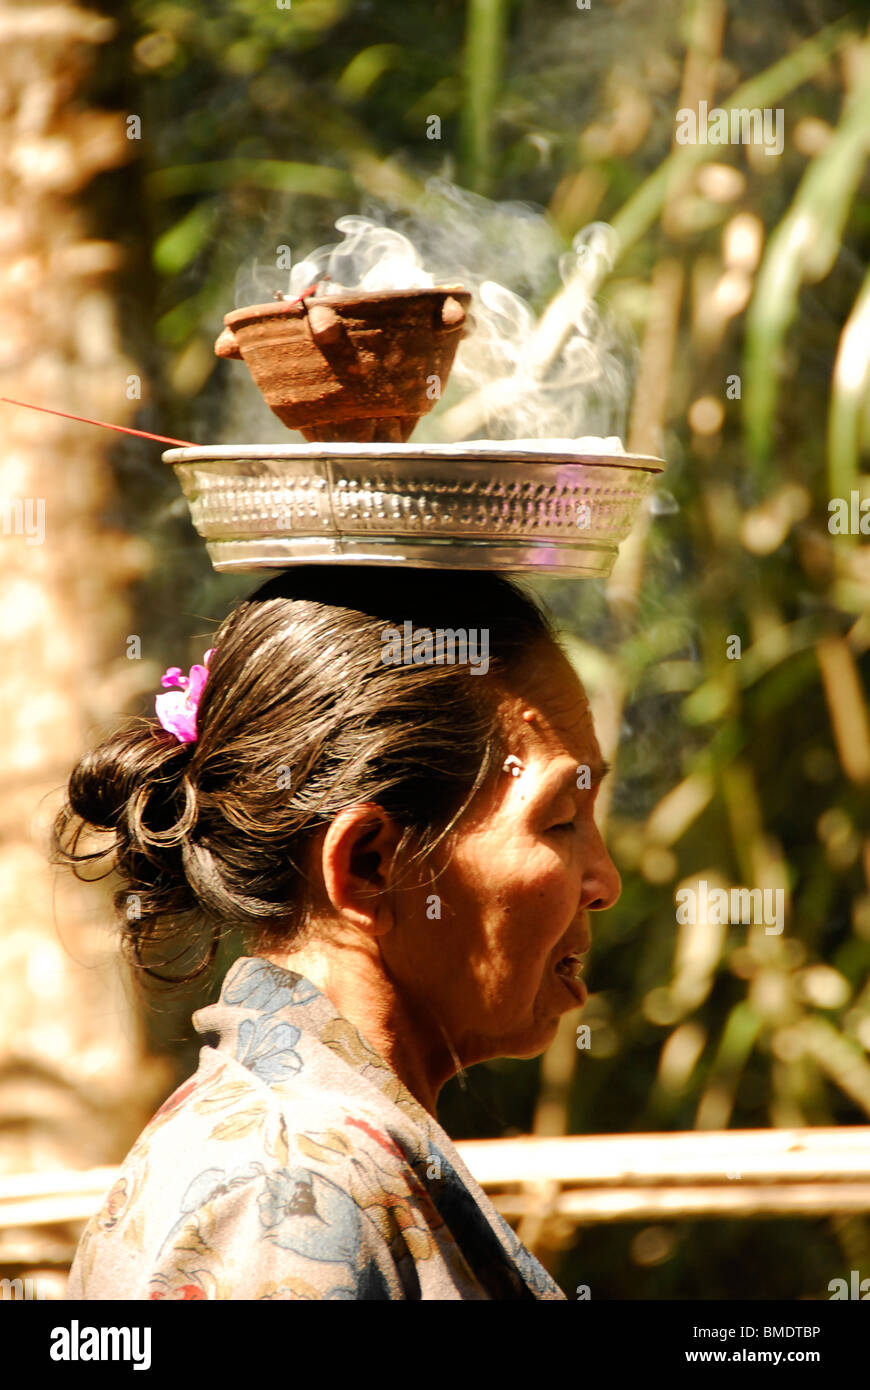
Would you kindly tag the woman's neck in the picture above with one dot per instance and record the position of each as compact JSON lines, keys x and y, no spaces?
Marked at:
{"x":406,"y":1036}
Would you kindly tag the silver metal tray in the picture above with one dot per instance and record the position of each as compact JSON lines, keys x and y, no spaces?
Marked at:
{"x":517,"y":506}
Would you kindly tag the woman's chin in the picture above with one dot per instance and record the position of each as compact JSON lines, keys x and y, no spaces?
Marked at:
{"x":535,"y":1040}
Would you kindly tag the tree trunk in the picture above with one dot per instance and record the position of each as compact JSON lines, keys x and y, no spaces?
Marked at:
{"x":74,"y":1082}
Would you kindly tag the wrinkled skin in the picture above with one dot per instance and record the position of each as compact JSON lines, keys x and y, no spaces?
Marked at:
{"x":514,"y":890}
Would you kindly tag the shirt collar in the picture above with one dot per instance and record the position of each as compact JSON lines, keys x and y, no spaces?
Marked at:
{"x":256,"y":992}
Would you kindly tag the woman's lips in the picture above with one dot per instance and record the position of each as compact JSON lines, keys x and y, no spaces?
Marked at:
{"x":575,"y":987}
{"x":569,"y":969}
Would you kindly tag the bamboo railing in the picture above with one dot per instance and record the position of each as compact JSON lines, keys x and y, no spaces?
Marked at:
{"x":626,"y":1177}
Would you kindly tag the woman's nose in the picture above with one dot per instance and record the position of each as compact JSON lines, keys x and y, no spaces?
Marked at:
{"x":603,"y":883}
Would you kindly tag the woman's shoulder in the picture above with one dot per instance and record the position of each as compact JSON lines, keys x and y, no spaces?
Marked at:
{"x":295,"y":1164}
{"x":231,"y":1170}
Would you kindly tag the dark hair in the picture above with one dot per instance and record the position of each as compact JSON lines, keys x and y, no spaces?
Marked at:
{"x":299,"y":718}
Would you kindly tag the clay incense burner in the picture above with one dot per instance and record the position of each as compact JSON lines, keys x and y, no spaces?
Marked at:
{"x":356,"y":366}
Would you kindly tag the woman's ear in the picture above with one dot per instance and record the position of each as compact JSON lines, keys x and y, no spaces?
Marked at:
{"x":357,"y":862}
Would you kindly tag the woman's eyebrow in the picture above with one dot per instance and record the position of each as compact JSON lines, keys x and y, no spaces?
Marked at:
{"x":570,"y":779}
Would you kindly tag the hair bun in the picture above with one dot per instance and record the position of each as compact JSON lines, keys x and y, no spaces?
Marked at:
{"x":119,"y":771}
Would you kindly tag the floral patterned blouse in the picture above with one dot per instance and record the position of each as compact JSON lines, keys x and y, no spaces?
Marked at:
{"x":295,"y":1165}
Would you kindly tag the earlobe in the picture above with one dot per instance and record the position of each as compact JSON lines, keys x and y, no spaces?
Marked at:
{"x":357,"y":861}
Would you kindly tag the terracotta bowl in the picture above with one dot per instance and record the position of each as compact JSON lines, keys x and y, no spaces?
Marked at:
{"x":362,"y":366}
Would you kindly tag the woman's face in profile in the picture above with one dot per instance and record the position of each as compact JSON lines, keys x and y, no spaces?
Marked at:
{"x":527,"y":868}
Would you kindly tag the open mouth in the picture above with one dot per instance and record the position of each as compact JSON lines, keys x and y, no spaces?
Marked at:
{"x":570,"y":966}
{"x":570,"y":969}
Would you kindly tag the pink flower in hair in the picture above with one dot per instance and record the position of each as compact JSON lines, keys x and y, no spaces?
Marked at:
{"x":176,"y":710}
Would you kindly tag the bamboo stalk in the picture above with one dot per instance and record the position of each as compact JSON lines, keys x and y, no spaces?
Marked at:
{"x":693,"y":1157}
{"x":47,"y":1211}
{"x":89,"y":1181}
{"x":678,"y":1204}
{"x":627,"y":1177}
{"x":802,"y":247}
{"x":847,"y":707}
{"x":646,"y":428}
{"x":783,"y":1155}
{"x":699,"y":84}
{"x":848,"y":390}
{"x":483,"y":59}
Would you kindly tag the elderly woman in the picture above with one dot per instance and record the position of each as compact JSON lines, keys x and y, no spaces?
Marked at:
{"x":412,"y":852}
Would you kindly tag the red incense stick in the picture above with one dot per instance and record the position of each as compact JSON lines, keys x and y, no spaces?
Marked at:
{"x":125,"y":429}
{"x":104,"y":424}
{"x":300,"y":298}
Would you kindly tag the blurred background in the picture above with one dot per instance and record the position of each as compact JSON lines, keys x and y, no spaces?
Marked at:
{"x":149,"y":151}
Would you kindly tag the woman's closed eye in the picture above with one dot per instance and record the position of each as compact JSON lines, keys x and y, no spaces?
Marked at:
{"x":568,"y":826}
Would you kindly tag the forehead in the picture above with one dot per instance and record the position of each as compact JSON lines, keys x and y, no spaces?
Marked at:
{"x":546,"y":713}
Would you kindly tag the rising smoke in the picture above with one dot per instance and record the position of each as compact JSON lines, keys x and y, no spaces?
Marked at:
{"x":562,"y":372}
